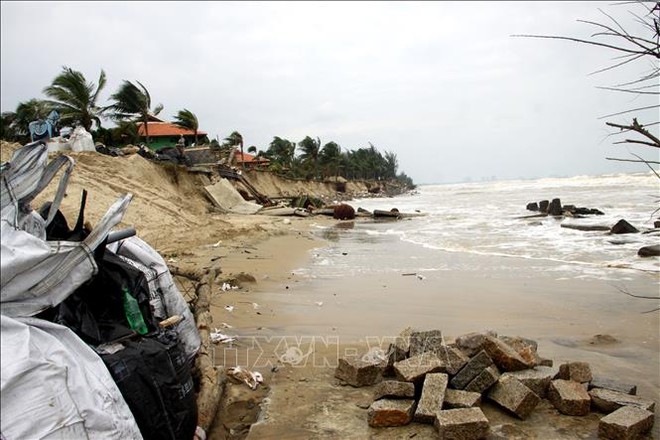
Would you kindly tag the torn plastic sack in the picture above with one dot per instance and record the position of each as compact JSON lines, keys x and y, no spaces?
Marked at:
{"x":54,"y":386}
{"x":172,"y":301}
{"x":36,"y":273}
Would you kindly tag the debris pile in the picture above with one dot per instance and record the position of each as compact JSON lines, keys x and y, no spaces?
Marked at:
{"x":422,"y":379}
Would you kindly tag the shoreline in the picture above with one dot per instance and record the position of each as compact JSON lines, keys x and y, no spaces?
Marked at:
{"x":569,"y":318}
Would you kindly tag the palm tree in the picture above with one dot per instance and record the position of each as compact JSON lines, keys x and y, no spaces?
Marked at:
{"x":281,"y":151}
{"x":330,"y":157}
{"x":187,"y":119}
{"x":252,"y":149}
{"x":7,"y":124}
{"x":26,"y":112}
{"x":233,"y":140}
{"x":132,"y":102}
{"x":75,"y":98}
{"x":310,"y":152}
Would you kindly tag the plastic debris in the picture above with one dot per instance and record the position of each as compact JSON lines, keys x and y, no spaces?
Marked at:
{"x":217,"y":336}
{"x":229,"y":308}
{"x":225,"y":325}
{"x":319,"y":303}
{"x":375,"y":354}
{"x":255,"y":306}
{"x":226,"y":286}
{"x":251,"y":379}
{"x":294,"y":356}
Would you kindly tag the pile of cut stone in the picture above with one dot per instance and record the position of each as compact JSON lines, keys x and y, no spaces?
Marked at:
{"x":443,"y":384}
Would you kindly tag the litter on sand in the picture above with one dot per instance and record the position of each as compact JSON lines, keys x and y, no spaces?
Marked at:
{"x":217,"y":336}
{"x":251,"y":379}
{"x":226,"y":286}
{"x":229,"y":308}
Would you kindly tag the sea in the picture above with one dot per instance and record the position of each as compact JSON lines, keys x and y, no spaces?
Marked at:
{"x":491,"y":219}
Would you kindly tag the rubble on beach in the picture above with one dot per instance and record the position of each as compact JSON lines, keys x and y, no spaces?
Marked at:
{"x":423,"y":379}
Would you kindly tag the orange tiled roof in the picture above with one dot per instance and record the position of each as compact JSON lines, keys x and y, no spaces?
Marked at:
{"x":167,"y":129}
{"x":247,"y":158}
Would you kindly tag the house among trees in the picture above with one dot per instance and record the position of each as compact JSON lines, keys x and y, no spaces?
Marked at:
{"x":166,"y":134}
{"x":248,"y":161}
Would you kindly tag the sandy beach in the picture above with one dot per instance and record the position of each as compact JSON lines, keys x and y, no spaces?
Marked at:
{"x":572,"y":320}
{"x":282,"y":307}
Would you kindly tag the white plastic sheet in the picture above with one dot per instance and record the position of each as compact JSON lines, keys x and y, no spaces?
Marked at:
{"x":54,"y":386}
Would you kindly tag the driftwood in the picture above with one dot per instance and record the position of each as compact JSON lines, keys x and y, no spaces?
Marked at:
{"x":586,"y":227}
{"x":212,"y":380}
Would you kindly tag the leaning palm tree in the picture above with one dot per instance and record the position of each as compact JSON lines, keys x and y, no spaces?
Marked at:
{"x":187,"y":119}
{"x":236,"y":139}
{"x":75,"y":98}
{"x":134,"y":103}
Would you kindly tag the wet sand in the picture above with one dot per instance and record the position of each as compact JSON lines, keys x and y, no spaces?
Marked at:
{"x":326,"y":316}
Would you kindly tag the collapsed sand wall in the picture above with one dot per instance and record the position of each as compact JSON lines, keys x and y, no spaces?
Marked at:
{"x":275,"y":186}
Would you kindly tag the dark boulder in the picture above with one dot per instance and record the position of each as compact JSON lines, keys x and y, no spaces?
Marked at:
{"x":543,"y":205}
{"x":649,"y":251}
{"x":656,"y":224}
{"x":344,"y":212}
{"x":623,"y":227}
{"x":555,"y":207}
{"x":532,"y":206}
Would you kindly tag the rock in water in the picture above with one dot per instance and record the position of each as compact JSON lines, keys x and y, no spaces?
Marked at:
{"x":344,"y":212}
{"x":623,"y":227}
{"x":649,"y":251}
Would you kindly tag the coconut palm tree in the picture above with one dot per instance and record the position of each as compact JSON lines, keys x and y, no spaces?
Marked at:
{"x":133,"y":102}
{"x":75,"y":98}
{"x":187,"y":119}
{"x":281,"y":151}
{"x":236,"y":139}
{"x":7,"y":123}
{"x":310,"y":152}
{"x":330,"y":157}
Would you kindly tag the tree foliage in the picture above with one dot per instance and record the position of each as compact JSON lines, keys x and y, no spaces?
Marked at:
{"x":187,"y":119}
{"x":75,"y":98}
{"x":133,"y":103}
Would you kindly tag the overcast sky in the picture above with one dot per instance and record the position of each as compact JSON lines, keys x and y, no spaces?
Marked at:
{"x":441,"y":84}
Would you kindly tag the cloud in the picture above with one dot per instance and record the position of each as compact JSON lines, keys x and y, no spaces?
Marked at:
{"x":441,"y":84}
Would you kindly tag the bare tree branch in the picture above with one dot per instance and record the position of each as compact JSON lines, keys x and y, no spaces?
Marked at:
{"x":579,"y":40}
{"x":636,"y":126}
{"x":632,"y":160}
{"x":630,"y":111}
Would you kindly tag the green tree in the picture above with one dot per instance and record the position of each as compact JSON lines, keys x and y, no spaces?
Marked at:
{"x":252,"y":149}
{"x":133,"y":103}
{"x":187,"y":119}
{"x":311,"y":148}
{"x":330,"y":158}
{"x":236,"y":139}
{"x":26,"y":112}
{"x":391,"y":165}
{"x":7,"y":121}
{"x":281,"y":151}
{"x":75,"y":98}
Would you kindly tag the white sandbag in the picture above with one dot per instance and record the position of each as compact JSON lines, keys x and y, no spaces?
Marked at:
{"x":35,"y":273}
{"x":54,"y":386}
{"x":81,"y":140}
{"x":58,"y":144}
{"x":173,"y":302}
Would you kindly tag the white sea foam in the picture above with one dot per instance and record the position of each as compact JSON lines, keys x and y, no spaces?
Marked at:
{"x":484,"y":219}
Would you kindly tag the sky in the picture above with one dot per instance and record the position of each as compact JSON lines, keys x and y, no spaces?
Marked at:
{"x":444,"y":85}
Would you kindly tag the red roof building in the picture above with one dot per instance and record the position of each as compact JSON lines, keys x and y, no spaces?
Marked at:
{"x":250,"y":161}
{"x":165,"y":134}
